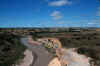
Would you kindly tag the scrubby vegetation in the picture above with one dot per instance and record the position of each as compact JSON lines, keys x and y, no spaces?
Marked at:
{"x":87,"y":44}
{"x":11,"y":49}
{"x":87,"y":40}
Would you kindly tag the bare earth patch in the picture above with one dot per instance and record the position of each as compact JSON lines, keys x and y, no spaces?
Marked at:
{"x":27,"y":59}
{"x":54,"y":62}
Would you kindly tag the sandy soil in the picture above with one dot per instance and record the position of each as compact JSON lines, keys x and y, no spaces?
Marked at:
{"x":54,"y":62}
{"x":27,"y":60}
{"x":69,"y":55}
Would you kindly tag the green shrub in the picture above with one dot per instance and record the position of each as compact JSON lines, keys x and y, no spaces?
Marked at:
{"x":11,"y":49}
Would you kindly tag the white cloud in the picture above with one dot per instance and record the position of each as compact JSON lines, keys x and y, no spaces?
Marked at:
{"x":91,"y":23}
{"x":94,"y":22}
{"x":56,"y":15}
{"x":60,"y":3}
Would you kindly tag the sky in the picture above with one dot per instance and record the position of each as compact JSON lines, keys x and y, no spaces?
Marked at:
{"x":49,"y":13}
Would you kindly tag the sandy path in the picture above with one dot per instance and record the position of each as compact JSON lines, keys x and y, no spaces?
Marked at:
{"x":43,"y":56}
{"x":27,"y":59}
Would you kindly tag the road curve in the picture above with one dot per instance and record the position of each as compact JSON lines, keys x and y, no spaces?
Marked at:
{"x":41,"y":55}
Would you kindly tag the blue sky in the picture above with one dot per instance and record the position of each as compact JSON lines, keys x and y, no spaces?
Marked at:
{"x":49,"y":13}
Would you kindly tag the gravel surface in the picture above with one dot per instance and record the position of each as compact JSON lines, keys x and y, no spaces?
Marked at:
{"x":43,"y":56}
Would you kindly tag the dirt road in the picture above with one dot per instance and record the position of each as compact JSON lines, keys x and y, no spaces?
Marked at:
{"x":41,"y":55}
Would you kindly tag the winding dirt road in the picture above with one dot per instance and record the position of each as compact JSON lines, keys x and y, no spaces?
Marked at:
{"x":41,"y":55}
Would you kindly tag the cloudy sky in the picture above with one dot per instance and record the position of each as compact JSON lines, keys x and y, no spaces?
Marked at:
{"x":49,"y":13}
